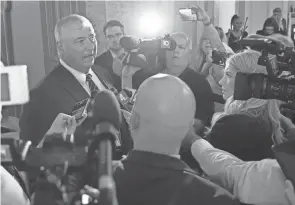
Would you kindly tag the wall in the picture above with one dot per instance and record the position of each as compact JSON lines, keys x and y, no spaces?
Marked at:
{"x":27,"y":38}
{"x":226,"y":10}
{"x":259,"y":11}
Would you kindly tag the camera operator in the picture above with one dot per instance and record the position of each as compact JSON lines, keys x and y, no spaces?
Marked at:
{"x":113,"y":31}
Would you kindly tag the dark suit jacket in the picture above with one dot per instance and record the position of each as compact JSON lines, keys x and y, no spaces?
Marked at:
{"x":57,"y":93}
{"x":105,"y":60}
{"x":147,"y":178}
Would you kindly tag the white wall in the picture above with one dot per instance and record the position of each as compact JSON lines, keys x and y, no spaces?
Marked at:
{"x":226,"y":11}
{"x":27,"y":38}
{"x":259,"y":11}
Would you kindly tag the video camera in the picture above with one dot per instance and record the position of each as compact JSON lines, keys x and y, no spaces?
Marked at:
{"x":153,"y":46}
{"x":270,"y":86}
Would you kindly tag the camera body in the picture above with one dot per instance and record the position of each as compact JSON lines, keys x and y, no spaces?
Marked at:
{"x":271,"y":86}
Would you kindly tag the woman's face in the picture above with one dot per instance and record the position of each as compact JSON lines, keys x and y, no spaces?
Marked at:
{"x":228,"y":81}
{"x":206,"y":46}
{"x":238,"y":23}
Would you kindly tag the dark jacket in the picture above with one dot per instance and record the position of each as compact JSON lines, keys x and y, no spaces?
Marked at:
{"x":105,"y":60}
{"x":147,"y":178}
{"x":57,"y":93}
{"x":246,"y":137}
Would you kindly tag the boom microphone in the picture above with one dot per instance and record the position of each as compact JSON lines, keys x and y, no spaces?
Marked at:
{"x":106,"y":117}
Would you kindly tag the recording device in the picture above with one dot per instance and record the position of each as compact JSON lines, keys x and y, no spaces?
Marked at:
{"x":285,"y":155}
{"x":80,"y":108}
{"x":187,"y":14}
{"x":14,"y":85}
{"x":268,"y":86}
{"x":133,"y":44}
{"x":106,"y":117}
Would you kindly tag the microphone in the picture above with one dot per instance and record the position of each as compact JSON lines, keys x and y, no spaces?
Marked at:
{"x":106,"y":117}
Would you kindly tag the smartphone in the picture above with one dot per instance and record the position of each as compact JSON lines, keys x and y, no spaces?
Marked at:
{"x":285,"y":155}
{"x":80,"y":108}
{"x":187,"y":14}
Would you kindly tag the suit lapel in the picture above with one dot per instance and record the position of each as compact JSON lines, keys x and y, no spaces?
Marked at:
{"x":71,"y":84}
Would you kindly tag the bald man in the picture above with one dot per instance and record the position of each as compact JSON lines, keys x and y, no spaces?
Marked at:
{"x":153,"y":173}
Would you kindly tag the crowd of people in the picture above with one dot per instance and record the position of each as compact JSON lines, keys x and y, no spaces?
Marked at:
{"x":186,"y":140}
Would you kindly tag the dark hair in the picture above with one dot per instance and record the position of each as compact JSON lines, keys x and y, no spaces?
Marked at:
{"x":271,"y":22}
{"x":112,"y":23}
{"x":236,"y":16}
{"x":220,"y":32}
{"x":277,"y":10}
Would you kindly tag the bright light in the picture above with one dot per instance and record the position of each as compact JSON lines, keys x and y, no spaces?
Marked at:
{"x":150,"y":23}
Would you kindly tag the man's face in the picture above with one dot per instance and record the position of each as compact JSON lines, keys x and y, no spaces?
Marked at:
{"x":113,"y":36}
{"x":269,"y":30}
{"x":178,"y":59}
{"x":78,"y":46}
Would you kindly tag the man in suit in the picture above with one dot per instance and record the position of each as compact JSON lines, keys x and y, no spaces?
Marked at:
{"x":113,"y":31}
{"x":153,"y":170}
{"x":68,"y":84}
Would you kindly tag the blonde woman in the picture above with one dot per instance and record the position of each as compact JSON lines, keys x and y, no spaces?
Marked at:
{"x":249,"y":128}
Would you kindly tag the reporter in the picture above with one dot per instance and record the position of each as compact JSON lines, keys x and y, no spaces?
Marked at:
{"x":253,"y":182}
{"x":246,"y":129}
{"x":64,"y":125}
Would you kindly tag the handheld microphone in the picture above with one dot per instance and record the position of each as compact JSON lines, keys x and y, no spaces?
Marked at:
{"x":106,"y":118}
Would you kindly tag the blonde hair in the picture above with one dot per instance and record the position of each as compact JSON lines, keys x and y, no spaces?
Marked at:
{"x":246,"y":62}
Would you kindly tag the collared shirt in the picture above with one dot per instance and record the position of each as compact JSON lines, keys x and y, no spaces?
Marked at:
{"x":81,"y":77}
{"x":253,"y":182}
{"x":11,"y":192}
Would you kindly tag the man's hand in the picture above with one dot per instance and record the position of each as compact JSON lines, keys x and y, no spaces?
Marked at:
{"x":118,"y":63}
{"x":63,"y":124}
{"x":201,"y":14}
{"x":289,"y":192}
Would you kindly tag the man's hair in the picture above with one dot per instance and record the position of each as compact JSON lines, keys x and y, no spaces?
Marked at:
{"x":184,"y":36}
{"x":271,"y":23}
{"x":277,"y":10}
{"x":69,"y":20}
{"x":112,"y":23}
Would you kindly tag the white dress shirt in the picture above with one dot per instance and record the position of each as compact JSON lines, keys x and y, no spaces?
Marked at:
{"x":254,"y":182}
{"x":11,"y":192}
{"x":81,"y":77}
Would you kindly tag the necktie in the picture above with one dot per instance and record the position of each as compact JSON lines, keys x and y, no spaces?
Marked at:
{"x":93,"y":88}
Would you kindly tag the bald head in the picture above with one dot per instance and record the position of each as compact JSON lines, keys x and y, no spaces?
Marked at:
{"x":163,"y":112}
{"x":70,"y":21}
